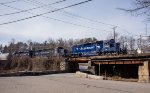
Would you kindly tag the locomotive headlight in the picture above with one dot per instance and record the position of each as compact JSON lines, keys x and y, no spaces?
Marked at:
{"x":98,"y":47}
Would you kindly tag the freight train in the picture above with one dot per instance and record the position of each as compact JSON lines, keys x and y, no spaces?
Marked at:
{"x":103,"y":47}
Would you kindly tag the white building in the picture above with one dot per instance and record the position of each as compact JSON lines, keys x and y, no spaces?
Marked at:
{"x":3,"y":56}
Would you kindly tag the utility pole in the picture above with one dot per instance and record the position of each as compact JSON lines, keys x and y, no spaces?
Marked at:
{"x":146,"y":28}
{"x":114,"y":29}
{"x":140,"y":42}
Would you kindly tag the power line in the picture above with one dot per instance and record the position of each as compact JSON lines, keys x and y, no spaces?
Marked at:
{"x":88,"y":19}
{"x":75,"y":24}
{"x":74,"y":15}
{"x":39,"y":3}
{"x":98,"y":22}
{"x":81,"y":17}
{"x":61,"y":11}
{"x":45,"y":13}
{"x":10,"y":2}
{"x":127,"y":31}
{"x":31,"y":8}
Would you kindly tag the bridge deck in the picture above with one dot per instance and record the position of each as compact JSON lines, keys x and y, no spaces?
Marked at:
{"x":112,"y":59}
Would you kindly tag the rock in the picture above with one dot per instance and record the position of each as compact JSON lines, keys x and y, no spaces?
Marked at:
{"x":81,"y":74}
{"x":95,"y":77}
{"x":85,"y":75}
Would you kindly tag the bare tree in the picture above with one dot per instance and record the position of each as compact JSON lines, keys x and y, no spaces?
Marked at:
{"x":1,"y":48}
{"x":11,"y":45}
{"x":6,"y":49}
{"x":148,"y":41}
{"x":127,"y":42}
{"x":131,"y":43}
{"x":92,"y":39}
{"x":51,"y":43}
{"x":61,"y":42}
{"x":70,"y":43}
{"x":29,"y":42}
{"x":140,"y":7}
{"x":123,"y":41}
{"x":143,"y":42}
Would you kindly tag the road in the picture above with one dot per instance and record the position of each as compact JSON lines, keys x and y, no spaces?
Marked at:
{"x":67,"y":83}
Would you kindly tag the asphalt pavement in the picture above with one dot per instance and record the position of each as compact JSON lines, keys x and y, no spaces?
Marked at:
{"x":68,"y":83}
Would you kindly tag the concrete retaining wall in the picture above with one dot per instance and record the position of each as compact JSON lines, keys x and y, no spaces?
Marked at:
{"x":143,"y":72}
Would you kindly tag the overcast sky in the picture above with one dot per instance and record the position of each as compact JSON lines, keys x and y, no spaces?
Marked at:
{"x":67,"y":23}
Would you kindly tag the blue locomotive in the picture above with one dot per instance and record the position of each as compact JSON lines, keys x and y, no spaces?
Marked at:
{"x":102,"y":47}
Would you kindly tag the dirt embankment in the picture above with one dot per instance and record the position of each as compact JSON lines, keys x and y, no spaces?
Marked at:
{"x":25,"y":63}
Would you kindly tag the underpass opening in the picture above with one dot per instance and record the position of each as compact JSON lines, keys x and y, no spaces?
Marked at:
{"x":128,"y":71}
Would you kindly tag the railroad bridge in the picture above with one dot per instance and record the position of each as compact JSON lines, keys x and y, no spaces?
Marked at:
{"x":126,"y":66}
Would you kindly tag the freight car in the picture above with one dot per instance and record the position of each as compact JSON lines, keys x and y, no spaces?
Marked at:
{"x":60,"y":51}
{"x":102,"y":47}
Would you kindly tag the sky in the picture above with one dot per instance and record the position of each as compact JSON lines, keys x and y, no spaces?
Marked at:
{"x":92,"y":19}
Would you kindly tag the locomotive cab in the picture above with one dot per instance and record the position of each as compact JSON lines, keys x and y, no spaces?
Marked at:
{"x":109,"y":46}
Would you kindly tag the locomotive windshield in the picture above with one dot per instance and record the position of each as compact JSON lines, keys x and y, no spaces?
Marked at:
{"x":112,"y":45}
{"x":106,"y":44}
